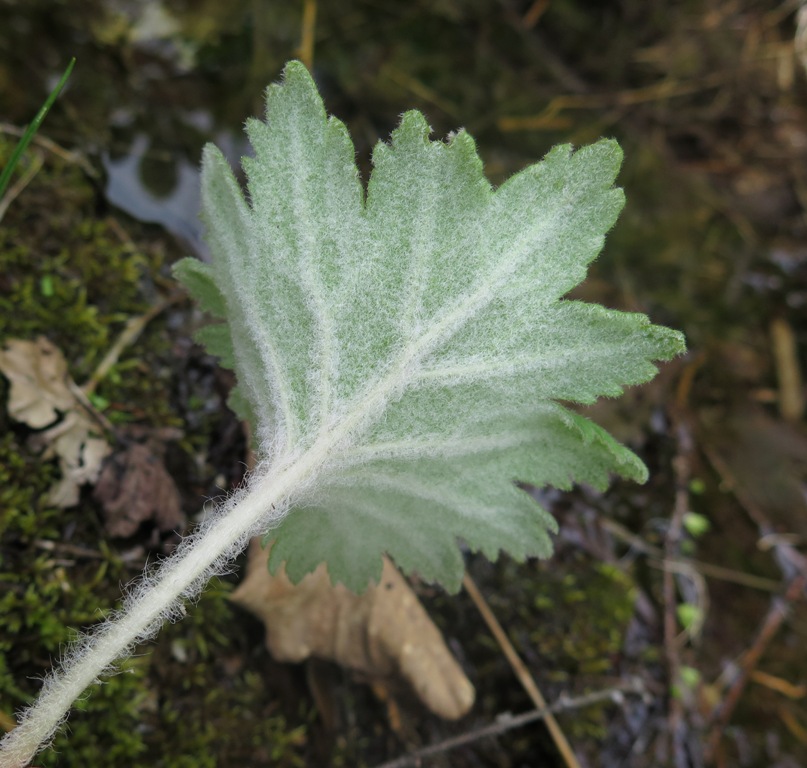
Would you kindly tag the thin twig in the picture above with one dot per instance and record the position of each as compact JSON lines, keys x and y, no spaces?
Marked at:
{"x":421,"y":90}
{"x":777,"y":613}
{"x":672,"y":543}
{"x":134,"y":327}
{"x":682,"y":468}
{"x":534,"y":13}
{"x":60,"y":547}
{"x":700,"y":598}
{"x":710,"y":570}
{"x":521,"y":671}
{"x":788,"y":371}
{"x":660,"y":91}
{"x":70,"y":156}
{"x":15,"y":189}
{"x":539,"y":50}
{"x":508,"y":722}
{"x":790,"y":561}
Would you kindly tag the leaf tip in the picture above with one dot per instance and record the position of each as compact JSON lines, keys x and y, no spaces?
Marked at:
{"x":413,"y":125}
{"x":296,"y":75}
{"x":296,"y":86}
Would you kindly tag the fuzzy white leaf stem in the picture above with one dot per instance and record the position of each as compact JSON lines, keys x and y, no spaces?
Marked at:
{"x":156,"y":598}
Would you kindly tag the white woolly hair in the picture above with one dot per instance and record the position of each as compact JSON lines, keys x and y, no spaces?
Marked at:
{"x":157,"y":596}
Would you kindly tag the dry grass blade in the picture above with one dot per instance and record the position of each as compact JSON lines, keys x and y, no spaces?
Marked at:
{"x":788,"y":371}
{"x":15,"y":189}
{"x":307,"y":38}
{"x":710,"y":570}
{"x":522,"y":673}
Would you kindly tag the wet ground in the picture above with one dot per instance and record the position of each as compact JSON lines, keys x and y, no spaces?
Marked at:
{"x":707,"y":99}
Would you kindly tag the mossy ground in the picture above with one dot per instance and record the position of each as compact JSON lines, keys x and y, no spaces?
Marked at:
{"x":567,"y":618}
{"x":76,"y":276}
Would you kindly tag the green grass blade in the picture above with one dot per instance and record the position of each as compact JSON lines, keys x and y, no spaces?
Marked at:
{"x":25,"y":139}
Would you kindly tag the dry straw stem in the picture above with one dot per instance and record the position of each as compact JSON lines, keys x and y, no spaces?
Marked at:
{"x":522,"y":673}
{"x":13,"y":192}
{"x":688,"y":565}
{"x":784,"y":347}
{"x":308,"y":33}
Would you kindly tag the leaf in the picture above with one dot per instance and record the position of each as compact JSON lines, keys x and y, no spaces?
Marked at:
{"x":134,"y":486}
{"x":407,"y":349}
{"x":40,"y":396}
{"x":37,"y":373}
{"x":383,"y":634}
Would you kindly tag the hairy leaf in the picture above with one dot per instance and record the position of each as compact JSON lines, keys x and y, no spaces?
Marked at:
{"x":409,"y":347}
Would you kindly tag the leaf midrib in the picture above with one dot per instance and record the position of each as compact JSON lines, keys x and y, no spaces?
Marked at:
{"x":407,"y":368}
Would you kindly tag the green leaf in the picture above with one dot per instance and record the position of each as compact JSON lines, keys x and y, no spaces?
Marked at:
{"x":33,"y":127}
{"x":412,"y":347}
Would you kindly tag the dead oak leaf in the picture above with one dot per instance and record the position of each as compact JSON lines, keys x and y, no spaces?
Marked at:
{"x":40,"y":396}
{"x":37,"y":373}
{"x":383,"y":633}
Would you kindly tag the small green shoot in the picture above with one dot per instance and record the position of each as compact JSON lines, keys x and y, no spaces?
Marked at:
{"x":689,"y":679}
{"x":33,"y":127}
{"x":689,"y":616}
{"x":696,"y":525}
{"x":697,"y":486}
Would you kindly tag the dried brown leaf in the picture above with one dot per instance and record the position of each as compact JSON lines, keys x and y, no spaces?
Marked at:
{"x":37,"y":372}
{"x":40,"y":397}
{"x":764,"y":461}
{"x":80,"y":456}
{"x":135,"y":487}
{"x":383,"y":633}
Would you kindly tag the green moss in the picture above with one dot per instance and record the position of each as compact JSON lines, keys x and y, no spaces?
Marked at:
{"x":586,"y":608}
{"x":45,"y":591}
{"x":77,"y":279}
{"x":224,"y":727}
{"x":215,"y":715}
{"x":64,"y":273}
{"x":24,"y":480}
{"x":567,"y":619}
